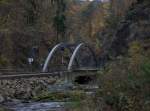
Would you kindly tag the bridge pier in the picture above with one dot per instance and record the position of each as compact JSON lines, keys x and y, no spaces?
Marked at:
{"x":66,"y":78}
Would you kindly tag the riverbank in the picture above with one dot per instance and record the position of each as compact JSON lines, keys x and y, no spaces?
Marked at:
{"x":24,"y":88}
{"x":41,"y":93}
{"x":48,"y":101}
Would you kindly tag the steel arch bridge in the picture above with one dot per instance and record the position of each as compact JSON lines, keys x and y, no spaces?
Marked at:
{"x":74,"y":53}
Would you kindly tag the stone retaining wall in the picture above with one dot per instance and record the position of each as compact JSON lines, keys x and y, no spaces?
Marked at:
{"x":24,"y":88}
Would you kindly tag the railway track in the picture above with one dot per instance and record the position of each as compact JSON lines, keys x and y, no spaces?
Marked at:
{"x":15,"y":75}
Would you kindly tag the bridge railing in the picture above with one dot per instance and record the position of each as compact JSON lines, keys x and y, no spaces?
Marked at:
{"x":57,"y":68}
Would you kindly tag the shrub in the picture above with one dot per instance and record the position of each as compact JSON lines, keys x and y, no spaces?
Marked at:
{"x":3,"y":61}
{"x":125,"y":83}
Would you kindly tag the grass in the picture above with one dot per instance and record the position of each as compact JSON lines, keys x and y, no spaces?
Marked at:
{"x":61,"y":96}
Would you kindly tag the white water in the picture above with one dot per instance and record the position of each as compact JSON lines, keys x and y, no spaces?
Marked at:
{"x":37,"y":106}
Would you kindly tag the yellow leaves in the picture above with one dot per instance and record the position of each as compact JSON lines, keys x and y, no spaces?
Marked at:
{"x":3,"y":61}
{"x":135,"y":48}
{"x":135,"y":53}
{"x":118,"y":89}
{"x":4,"y":1}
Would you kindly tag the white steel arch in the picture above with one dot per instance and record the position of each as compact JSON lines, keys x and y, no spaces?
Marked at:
{"x":49,"y":57}
{"x":73,"y":56}
{"x":76,"y":52}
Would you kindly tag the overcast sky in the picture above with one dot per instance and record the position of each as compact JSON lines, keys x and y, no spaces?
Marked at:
{"x":97,"y":0}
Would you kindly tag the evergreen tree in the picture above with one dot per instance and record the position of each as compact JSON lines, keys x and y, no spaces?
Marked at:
{"x":59,"y":19}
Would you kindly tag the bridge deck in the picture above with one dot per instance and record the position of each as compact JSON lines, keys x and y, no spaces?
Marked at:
{"x":86,"y":69}
{"x":5,"y":74}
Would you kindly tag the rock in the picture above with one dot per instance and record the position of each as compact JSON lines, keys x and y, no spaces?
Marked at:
{"x":135,"y":26}
{"x":43,"y":83}
{"x":16,"y":101}
{"x":25,"y":88}
{"x":1,"y":99}
{"x":4,"y":108}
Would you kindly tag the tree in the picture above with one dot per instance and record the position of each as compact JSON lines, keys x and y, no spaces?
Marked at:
{"x":59,"y":19}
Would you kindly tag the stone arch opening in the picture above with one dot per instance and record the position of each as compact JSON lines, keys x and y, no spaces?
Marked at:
{"x":83,"y":80}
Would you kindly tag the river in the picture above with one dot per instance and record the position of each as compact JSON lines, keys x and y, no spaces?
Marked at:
{"x":37,"y":106}
{"x":18,"y":105}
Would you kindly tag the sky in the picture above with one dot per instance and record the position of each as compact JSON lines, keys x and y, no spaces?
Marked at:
{"x":97,"y":0}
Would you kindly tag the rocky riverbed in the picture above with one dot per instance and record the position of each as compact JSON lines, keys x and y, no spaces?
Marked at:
{"x":25,"y":88}
{"x":40,"y":94}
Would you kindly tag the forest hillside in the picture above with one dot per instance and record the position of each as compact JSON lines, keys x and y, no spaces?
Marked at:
{"x":39,"y":25}
{"x":118,"y":31}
